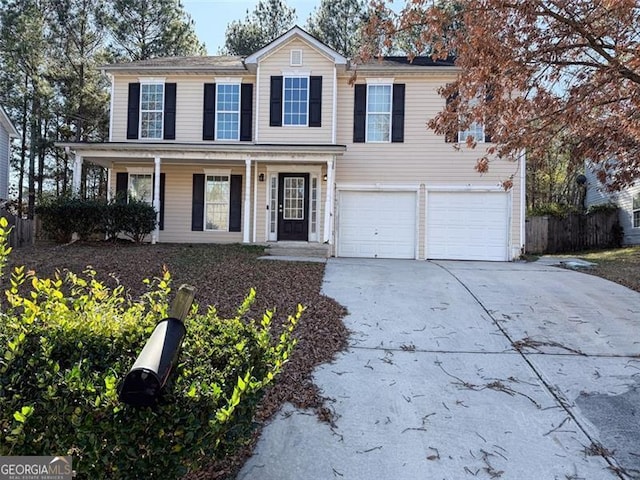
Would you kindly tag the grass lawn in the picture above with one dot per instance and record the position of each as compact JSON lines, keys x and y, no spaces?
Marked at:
{"x":222,"y":276}
{"x":621,"y":265}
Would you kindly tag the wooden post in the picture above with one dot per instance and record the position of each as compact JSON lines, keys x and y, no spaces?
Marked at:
{"x":182,"y":303}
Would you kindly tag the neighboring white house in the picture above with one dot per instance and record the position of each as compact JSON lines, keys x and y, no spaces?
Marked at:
{"x":283,"y":146}
{"x":7,"y":132}
{"x":627,"y":200}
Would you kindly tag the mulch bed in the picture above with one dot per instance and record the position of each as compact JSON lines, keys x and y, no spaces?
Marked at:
{"x":222,"y":276}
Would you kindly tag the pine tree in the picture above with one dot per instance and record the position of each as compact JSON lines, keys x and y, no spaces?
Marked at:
{"x":269,"y":20}
{"x":143,"y":29}
{"x":337,"y":23}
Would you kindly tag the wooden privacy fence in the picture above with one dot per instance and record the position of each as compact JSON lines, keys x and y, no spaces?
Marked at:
{"x":572,"y":233}
{"x":22,"y":231}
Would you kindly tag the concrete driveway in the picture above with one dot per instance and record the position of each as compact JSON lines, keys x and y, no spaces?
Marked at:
{"x":474,"y":370}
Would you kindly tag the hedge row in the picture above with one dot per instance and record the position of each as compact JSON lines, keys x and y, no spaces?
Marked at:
{"x":64,"y":216}
{"x":68,"y":343}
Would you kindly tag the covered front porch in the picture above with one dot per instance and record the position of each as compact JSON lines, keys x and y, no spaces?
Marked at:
{"x":254,"y":194}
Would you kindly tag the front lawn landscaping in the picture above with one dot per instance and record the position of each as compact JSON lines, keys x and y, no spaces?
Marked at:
{"x":223,"y":275}
{"x":620,"y":265}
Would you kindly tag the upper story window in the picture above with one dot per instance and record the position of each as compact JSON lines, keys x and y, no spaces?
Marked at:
{"x":475,"y":130}
{"x":227,"y":111}
{"x":151,"y":110}
{"x":296,"y":100}
{"x":636,"y":210}
{"x":378,"y":113}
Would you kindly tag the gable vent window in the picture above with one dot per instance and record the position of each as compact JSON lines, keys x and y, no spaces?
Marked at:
{"x":296,"y":58}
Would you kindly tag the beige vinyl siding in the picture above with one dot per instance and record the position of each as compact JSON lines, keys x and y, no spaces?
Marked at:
{"x":189,"y":106}
{"x":178,"y":201}
{"x":313,"y":63}
{"x":424,"y":158}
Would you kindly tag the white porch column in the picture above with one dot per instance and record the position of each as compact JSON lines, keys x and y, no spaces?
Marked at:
{"x":247,"y":201}
{"x":77,"y":174}
{"x":328,"y":206}
{"x":255,"y":203}
{"x":156,"y":199}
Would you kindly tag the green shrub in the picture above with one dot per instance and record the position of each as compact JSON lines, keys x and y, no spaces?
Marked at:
{"x":603,"y":207}
{"x":138,"y":219}
{"x":553,"y":210}
{"x":64,"y":216}
{"x":68,"y":342}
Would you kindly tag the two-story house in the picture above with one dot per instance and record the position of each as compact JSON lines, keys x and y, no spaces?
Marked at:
{"x":281,"y":146}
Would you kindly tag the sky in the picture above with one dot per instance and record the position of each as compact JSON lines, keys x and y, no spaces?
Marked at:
{"x":211,"y":17}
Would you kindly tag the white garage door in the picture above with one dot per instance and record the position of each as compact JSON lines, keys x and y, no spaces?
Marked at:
{"x":467,"y":225}
{"x":377,"y":224}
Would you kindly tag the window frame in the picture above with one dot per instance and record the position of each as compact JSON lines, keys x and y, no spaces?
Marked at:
{"x":212,"y":174}
{"x":217,"y":121}
{"x":389,"y":86}
{"x":145,"y":84}
{"x":285,"y":78}
{"x":635,"y":210}
{"x":472,"y":130}
{"x":132,"y":193}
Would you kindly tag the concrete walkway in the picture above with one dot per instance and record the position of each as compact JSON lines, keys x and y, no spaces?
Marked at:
{"x":474,"y":370}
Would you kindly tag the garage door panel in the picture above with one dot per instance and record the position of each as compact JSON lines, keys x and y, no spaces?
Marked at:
{"x":467,"y":225}
{"x":377,"y":224}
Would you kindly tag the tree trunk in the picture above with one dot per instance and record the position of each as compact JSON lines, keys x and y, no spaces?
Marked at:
{"x":35,"y":113}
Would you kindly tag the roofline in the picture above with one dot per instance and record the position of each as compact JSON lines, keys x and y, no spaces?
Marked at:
{"x":204,"y":147}
{"x":6,"y":121}
{"x":255,"y":57}
{"x":154,"y":69}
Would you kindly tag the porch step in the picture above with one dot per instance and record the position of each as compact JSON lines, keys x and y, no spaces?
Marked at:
{"x":298,"y":249}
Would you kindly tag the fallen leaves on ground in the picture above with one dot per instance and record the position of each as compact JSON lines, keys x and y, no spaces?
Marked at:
{"x":222,"y":276}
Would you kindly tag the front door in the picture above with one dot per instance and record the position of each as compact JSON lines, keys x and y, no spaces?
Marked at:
{"x":293,"y":206}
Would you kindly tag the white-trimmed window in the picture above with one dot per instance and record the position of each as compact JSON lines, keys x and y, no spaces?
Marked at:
{"x":296,"y":101}
{"x":216,"y":202}
{"x":475,"y":130}
{"x":636,"y":210}
{"x":379,"y":113}
{"x":141,"y":187}
{"x":227,"y":111}
{"x":151,"y":110}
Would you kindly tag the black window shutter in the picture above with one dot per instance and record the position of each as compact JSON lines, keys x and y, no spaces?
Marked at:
{"x":315,"y":101}
{"x":122,"y":185}
{"x":197,"y":208}
{"x":169,"y":111}
{"x":246,"y":111}
{"x":235,"y":204}
{"x":397,"y":113}
{"x":133,"y":111}
{"x":487,"y":130}
{"x":162,"y":185}
{"x":275,"y":102}
{"x":452,"y":135}
{"x":359,"y":113}
{"x":209,"y":117}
